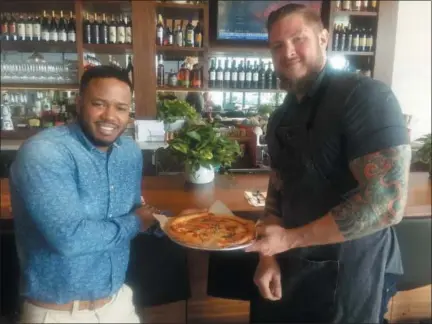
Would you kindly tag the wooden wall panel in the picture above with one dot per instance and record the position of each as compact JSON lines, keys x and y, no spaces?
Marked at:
{"x":144,"y":49}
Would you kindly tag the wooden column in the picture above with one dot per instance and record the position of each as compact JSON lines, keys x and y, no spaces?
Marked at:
{"x":79,"y":37}
{"x":144,"y":49}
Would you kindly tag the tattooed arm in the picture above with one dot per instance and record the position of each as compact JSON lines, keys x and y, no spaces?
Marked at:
{"x":380,"y":203}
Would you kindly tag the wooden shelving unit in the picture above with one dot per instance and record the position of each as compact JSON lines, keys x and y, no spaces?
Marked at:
{"x":40,"y":46}
{"x":108,"y":48}
{"x":180,"y":5}
{"x":35,"y":86}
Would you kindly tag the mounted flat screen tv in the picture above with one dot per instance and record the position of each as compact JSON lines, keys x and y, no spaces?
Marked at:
{"x":246,"y":20}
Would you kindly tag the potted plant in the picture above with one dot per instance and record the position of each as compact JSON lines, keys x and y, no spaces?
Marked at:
{"x":265,"y":110}
{"x":203,"y":149}
{"x":174,"y":112}
{"x":423,"y":154}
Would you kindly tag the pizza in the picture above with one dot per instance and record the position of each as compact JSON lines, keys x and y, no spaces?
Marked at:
{"x":207,"y":230}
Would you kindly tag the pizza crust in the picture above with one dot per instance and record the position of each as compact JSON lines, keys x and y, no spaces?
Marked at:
{"x":207,"y":230}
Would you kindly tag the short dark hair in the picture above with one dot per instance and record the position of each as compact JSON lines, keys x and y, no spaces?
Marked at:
{"x":310,"y":15}
{"x":103,"y":72}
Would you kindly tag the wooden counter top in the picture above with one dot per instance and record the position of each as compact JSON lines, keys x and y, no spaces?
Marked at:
{"x":171,"y":193}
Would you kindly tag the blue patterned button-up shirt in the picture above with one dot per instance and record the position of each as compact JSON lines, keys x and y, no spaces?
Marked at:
{"x":73,"y":211}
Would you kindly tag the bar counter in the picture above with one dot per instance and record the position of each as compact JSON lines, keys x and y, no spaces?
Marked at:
{"x":171,"y":193}
{"x":191,"y":302}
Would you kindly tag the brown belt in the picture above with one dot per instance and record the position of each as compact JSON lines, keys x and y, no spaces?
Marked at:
{"x":83,"y":304}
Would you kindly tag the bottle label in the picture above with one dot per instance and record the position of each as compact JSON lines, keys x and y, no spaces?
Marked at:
{"x":12,"y":29}
{"x":46,"y":35}
{"x":121,"y":35}
{"x":255,"y":77}
{"x":170,"y":39}
{"x":179,"y":39}
{"x":234,"y":76}
{"x":249,"y":76}
{"x":71,"y":36}
{"x":21,"y":30}
{"x":363,"y":41}
{"x":4,"y":28}
{"x":63,"y":36}
{"x":29,"y":30}
{"x":129,"y":35}
{"x":356,"y":41}
{"x":369,"y":42}
{"x":159,"y":35}
{"x":198,"y":40}
{"x":113,"y":34}
{"x":190,"y":36}
{"x":37,"y":30}
{"x":219,"y":76}
{"x":242,"y":76}
{"x":212,"y":75}
{"x":54,"y":36}
{"x":227,"y":76}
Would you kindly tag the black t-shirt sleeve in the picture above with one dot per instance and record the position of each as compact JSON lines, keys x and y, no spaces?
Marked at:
{"x":373,"y":119}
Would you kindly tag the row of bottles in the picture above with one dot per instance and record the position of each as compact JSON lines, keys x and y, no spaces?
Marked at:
{"x":364,"y":5}
{"x":98,"y":29}
{"x":183,"y":34}
{"x":185,"y":77}
{"x":36,"y":27}
{"x":242,"y":77}
{"x":37,"y":109}
{"x":359,"y":39}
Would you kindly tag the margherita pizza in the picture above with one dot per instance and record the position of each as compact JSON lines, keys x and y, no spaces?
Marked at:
{"x":207,"y":230}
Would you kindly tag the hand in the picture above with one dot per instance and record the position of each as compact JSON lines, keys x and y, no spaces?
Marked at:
{"x":274,"y":239}
{"x":145,"y":213}
{"x":268,"y":278}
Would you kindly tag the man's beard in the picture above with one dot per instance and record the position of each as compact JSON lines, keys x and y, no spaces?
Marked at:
{"x":303,"y":84}
{"x":87,"y":132}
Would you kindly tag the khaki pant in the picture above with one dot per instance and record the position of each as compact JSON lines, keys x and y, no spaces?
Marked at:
{"x":119,"y":310}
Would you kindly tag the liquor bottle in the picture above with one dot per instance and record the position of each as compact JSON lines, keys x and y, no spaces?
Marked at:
{"x":227,"y":75}
{"x":196,"y":76}
{"x":169,"y":37}
{"x":21,"y":27}
{"x":365,"y":5}
{"x":357,"y":5}
{"x":346,"y":5}
{"x":128,"y":30}
{"x":184,"y":76}
{"x":45,"y":27}
{"x":370,"y":41}
{"x":338,"y":5}
{"x":241,"y":76}
{"x":129,"y":69}
{"x":343,"y":38}
{"x":160,"y":72}
{"x":87,"y":30}
{"x":373,"y":6}
{"x":159,"y":31}
{"x":268,"y":77}
{"x":261,"y":76}
{"x":4,"y":27}
{"x":95,"y":37}
{"x":112,"y":31}
{"x":255,"y":76}
{"x":336,"y":37}
{"x":349,"y":39}
{"x":29,"y":28}
{"x":103,"y":30}
{"x":71,"y":29}
{"x":12,"y":28}
{"x":212,"y":75}
{"x":121,"y":31}
{"x":356,"y":40}
{"x":363,"y":40}
{"x":198,"y":35}
{"x":234,"y":75}
{"x":248,"y":75}
{"x":62,"y":34}
{"x":219,"y":75}
{"x":178,"y":35}
{"x":53,"y":28}
{"x":190,"y":36}
{"x":37,"y":35}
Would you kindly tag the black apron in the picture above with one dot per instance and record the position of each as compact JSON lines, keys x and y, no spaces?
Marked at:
{"x":338,"y":283}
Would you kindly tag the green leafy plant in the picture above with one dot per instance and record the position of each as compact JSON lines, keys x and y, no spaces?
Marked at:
{"x":424,"y":153}
{"x":200,"y":144}
{"x":171,"y":110}
{"x":265,"y":109}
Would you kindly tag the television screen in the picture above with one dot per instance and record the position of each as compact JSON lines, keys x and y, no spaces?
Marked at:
{"x":246,"y":20}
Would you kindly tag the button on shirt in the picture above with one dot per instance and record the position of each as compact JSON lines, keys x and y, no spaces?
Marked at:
{"x":73,"y":211}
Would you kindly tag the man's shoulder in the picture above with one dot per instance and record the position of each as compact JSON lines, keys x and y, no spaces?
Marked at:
{"x":129,"y":145}
{"x":47,"y":142}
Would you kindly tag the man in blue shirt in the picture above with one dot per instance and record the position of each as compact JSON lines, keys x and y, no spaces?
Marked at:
{"x":76,"y":199}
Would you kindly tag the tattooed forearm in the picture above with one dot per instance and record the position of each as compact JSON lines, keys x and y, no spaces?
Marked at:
{"x":383,"y":183}
{"x":273,"y":200}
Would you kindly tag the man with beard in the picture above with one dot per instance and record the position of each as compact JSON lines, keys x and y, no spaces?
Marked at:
{"x":340,"y":159}
{"x":76,"y":199}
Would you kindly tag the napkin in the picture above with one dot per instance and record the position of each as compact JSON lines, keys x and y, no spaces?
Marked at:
{"x":256,"y":198}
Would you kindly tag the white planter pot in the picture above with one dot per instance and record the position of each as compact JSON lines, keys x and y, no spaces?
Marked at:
{"x":175,"y":126}
{"x":201,"y":176}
